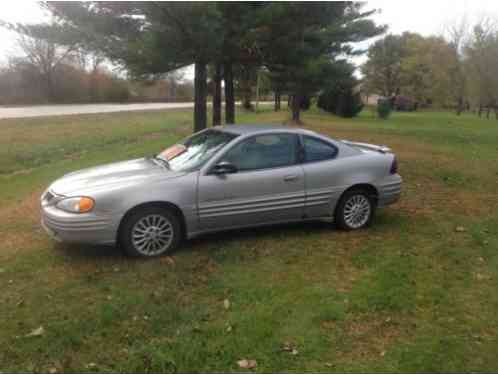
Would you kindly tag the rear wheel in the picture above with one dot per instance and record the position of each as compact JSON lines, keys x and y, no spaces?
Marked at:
{"x":355,"y":210}
{"x":149,"y":232}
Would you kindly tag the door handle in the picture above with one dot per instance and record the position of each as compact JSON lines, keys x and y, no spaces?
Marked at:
{"x":291,"y":177}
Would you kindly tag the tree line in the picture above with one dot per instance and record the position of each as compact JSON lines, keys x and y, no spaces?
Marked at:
{"x":457,"y":70}
{"x":42,"y":71}
{"x":299,"y":47}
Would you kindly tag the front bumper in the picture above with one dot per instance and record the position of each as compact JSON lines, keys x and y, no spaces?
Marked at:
{"x":87,"y":228}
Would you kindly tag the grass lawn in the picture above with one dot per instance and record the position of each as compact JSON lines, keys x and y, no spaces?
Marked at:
{"x":410,"y":294}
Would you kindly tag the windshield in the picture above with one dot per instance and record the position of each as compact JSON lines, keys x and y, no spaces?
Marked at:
{"x":192,"y":153}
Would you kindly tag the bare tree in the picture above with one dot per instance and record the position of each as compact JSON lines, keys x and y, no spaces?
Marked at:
{"x":456,"y":34}
{"x":481,"y":53}
{"x":44,"y":49}
{"x":45,"y":57}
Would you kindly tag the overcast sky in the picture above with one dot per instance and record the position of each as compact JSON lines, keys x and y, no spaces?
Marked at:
{"x":424,"y":17}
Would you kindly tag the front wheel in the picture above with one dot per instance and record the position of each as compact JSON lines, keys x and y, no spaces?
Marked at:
{"x":355,"y":210}
{"x":149,"y":232}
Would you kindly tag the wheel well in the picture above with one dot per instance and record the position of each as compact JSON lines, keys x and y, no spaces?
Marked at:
{"x":370,"y":189}
{"x":166,"y":205}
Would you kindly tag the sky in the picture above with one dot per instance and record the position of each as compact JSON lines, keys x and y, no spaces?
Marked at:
{"x":421,"y":16}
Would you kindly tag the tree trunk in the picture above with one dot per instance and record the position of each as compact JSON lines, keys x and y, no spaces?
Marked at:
{"x":459,"y":107}
{"x":296,"y":108}
{"x":217,"y":95}
{"x":480,"y":110}
{"x":49,"y":87}
{"x":277,"y":101}
{"x":200,"y":96}
{"x":229,"y":95}
{"x":257,"y":90}
{"x":487,"y":112}
{"x":245,"y":87}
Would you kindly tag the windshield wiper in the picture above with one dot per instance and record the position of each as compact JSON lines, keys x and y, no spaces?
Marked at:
{"x":161,"y":160}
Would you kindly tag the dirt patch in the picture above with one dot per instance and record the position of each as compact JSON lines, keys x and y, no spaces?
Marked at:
{"x":27,"y":209}
{"x":19,"y":225}
{"x":426,"y":198}
{"x":371,"y":336}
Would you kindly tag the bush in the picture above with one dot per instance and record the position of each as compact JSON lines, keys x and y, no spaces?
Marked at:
{"x":404,"y":103}
{"x":383,"y":108}
{"x":116,"y":92}
{"x":341,"y":102}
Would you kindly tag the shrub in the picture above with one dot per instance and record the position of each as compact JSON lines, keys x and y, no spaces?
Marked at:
{"x":403,"y":103}
{"x":116,"y":92}
{"x":383,"y":108}
{"x":340,"y":101}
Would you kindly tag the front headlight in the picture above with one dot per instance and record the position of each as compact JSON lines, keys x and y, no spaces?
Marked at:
{"x":76,"y":205}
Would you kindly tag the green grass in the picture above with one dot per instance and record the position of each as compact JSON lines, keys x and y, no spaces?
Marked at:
{"x":410,"y":294}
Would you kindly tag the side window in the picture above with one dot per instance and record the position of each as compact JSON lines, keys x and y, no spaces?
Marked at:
{"x":263,"y":151}
{"x":317,"y":150}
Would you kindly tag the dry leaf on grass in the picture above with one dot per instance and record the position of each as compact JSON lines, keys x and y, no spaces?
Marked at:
{"x":36,"y":332}
{"x":168,"y":260}
{"x":226,"y":304}
{"x":290,"y":347}
{"x":247,"y":363}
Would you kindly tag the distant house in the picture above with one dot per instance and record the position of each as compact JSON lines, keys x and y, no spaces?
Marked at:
{"x":367,"y":98}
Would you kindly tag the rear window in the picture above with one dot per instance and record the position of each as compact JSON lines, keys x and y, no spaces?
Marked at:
{"x":317,"y":150}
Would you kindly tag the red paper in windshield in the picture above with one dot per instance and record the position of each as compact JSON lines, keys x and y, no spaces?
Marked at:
{"x":173,"y":151}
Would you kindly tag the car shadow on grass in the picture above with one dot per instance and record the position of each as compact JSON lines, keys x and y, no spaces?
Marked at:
{"x":210,"y":243}
{"x":275,"y":231}
{"x":85,"y":252}
{"x":201,"y":244}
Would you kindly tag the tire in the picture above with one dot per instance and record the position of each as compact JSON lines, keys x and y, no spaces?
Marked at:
{"x":150,"y":232}
{"x":355,"y":200}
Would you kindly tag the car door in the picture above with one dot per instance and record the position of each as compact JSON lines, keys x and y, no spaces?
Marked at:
{"x":322,"y":171}
{"x":267,"y":187}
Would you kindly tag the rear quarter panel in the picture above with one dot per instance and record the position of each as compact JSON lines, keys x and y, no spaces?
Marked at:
{"x":327,"y":180}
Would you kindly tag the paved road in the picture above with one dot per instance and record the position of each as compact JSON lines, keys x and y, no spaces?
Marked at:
{"x":74,"y":109}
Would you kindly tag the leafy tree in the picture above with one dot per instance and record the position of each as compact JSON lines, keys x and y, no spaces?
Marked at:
{"x":411,"y":65}
{"x":482,"y":53}
{"x":240,"y":54}
{"x":424,"y":72}
{"x":297,"y":41}
{"x":383,"y":68}
{"x":150,"y":38}
{"x":301,"y":43}
{"x":342,"y":97}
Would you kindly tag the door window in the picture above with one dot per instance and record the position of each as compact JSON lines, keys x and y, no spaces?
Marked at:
{"x":264,"y":151}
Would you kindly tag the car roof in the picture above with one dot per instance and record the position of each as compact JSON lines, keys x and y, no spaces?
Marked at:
{"x":246,"y":129}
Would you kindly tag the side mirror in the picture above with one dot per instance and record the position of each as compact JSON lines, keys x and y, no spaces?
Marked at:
{"x":224,"y":167}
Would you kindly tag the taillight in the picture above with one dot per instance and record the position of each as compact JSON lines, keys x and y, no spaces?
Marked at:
{"x":394,"y":166}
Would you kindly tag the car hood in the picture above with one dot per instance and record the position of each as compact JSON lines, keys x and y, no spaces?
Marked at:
{"x":112,"y":175}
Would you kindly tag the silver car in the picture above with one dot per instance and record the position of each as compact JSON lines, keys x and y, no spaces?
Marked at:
{"x":221,"y":178}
